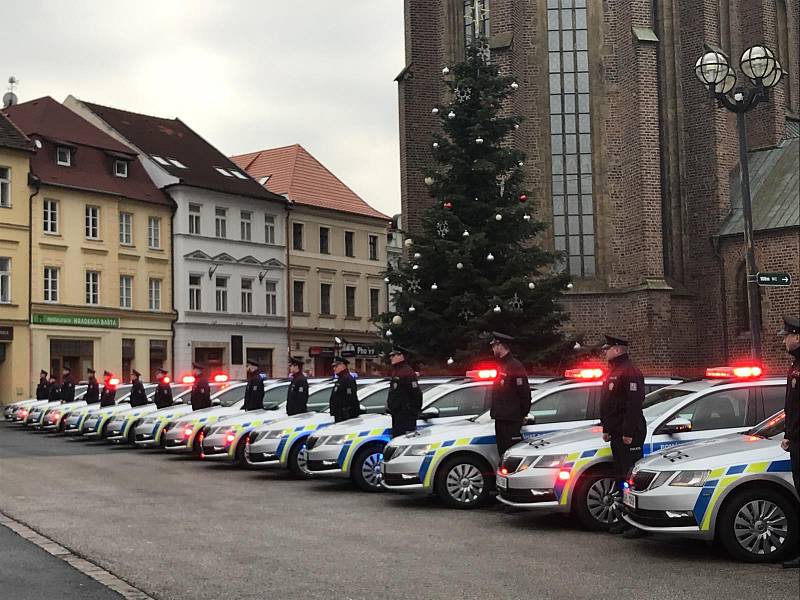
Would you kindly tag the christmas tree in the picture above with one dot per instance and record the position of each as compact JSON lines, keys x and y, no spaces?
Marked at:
{"x":476,"y":265}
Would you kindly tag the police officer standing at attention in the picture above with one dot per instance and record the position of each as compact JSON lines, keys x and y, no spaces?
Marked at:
{"x":405,"y":396}
{"x":511,"y":394}
{"x":109,"y":392}
{"x":201,"y":391}
{"x":163,"y":396}
{"x":344,"y":396}
{"x":67,"y":390}
{"x":621,"y":415}
{"x":138,"y":395}
{"x":43,"y":387}
{"x":791,"y":440}
{"x":92,"y":389}
{"x":53,"y":390}
{"x":297,"y":394}
{"x":254,"y":394}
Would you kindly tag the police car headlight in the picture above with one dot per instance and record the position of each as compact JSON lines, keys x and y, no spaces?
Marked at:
{"x":335,"y":440}
{"x":149,"y":422}
{"x":273,"y":434}
{"x":661,"y":479}
{"x":690,"y":478}
{"x":548,"y":461}
{"x":417,"y":450}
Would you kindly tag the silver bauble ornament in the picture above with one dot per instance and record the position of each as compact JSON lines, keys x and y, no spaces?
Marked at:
{"x":520,"y":164}
{"x":385,"y":280}
{"x":531,"y":286}
{"x":428,"y":180}
{"x":498,"y":217}
{"x":417,"y":255}
{"x":459,"y":266}
{"x":490,"y":257}
{"x":450,"y":361}
{"x":415,"y":267}
{"x":434,"y":287}
{"x":435,"y":145}
{"x":479,"y":141}
{"x":497,"y":309}
{"x":451,"y":115}
{"x":435,"y":110}
{"x":408,"y":242}
{"x":397,"y":320}
{"x":388,"y":333}
{"x":570,"y":286}
{"x":577,"y":346}
{"x":411,"y":308}
{"x":465,"y":234}
{"x":514,"y":86}
{"x":527,"y":217}
{"x":445,"y":71}
{"x":516,"y":125}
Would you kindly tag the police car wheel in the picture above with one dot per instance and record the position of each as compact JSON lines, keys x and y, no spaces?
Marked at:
{"x":62,"y":425}
{"x":461,"y":482}
{"x":239,"y":455}
{"x":366,"y":469}
{"x":297,"y":460}
{"x":597,"y":501}
{"x":197,"y":443}
{"x":758,"y":526}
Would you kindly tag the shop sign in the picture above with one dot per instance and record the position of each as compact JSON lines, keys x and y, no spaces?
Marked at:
{"x":75,"y":321}
{"x":6,"y":333}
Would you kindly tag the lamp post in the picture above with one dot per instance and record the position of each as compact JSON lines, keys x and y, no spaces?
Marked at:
{"x":758,"y":64}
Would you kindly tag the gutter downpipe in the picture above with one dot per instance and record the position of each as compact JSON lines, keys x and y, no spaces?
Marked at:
{"x":288,"y":283}
{"x":37,"y":184}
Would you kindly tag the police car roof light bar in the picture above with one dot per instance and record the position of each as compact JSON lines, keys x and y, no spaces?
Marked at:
{"x":113,"y":381}
{"x":482,"y":374}
{"x":587,"y":374}
{"x":742,"y":372}
{"x":220,"y":378}
{"x":188,"y":379}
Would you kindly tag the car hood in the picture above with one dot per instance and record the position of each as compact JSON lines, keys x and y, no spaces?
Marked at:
{"x":364,"y":422}
{"x":566,"y":442}
{"x":295,"y":421}
{"x":254,"y":415}
{"x":734,"y":449}
{"x":214,"y":411}
{"x":441,"y":433}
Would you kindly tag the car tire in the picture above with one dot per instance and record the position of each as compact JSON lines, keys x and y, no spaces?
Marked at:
{"x":464,"y":482}
{"x":296,"y":460}
{"x":595,"y":503}
{"x":365,"y":471}
{"x":197,"y":442}
{"x":62,"y":425}
{"x":750,"y":523}
{"x":104,"y":430}
{"x":238,"y":456}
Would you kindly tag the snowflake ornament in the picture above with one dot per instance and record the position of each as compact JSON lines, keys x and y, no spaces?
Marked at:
{"x":413,"y":286}
{"x":442,"y":228}
{"x":463,"y":94}
{"x":516,"y":303}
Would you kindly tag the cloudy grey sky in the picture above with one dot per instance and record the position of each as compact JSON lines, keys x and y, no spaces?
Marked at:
{"x":245,"y":74}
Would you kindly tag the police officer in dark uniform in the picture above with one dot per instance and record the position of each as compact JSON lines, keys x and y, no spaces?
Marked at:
{"x":67,"y":389}
{"x":344,"y":396}
{"x":405,"y":395}
{"x":791,"y":440}
{"x":201,"y":391}
{"x":109,"y":393}
{"x":511,"y":394}
{"x":92,"y":395}
{"x":163,"y":396}
{"x":254,"y":393}
{"x":43,"y":387}
{"x":621,"y":414}
{"x":297,"y":394}
{"x":53,"y":390}
{"x":138,"y":395}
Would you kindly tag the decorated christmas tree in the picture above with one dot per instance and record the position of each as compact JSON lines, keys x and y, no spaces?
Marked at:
{"x":477,"y":264}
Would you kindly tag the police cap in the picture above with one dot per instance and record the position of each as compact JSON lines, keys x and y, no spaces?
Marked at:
{"x":399,"y":350}
{"x":252,"y":363}
{"x":90,"y":370}
{"x":162,"y":371}
{"x":613,"y":340}
{"x":196,"y":365}
{"x":790,"y":325}
{"x":43,"y":372}
{"x":500,"y":338}
{"x":339,"y":360}
{"x":295,"y":362}
{"x":135,"y":372}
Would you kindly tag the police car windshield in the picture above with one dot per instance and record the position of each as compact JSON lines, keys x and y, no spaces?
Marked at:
{"x":775,"y":425}
{"x":657,"y":403}
{"x":275,"y":396}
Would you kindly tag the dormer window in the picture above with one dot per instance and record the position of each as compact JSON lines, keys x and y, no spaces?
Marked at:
{"x":177,"y":163}
{"x":160,"y":160}
{"x":222,"y":172}
{"x":64,"y":156}
{"x":263,"y":180}
{"x":121,"y":168}
{"x":238,"y":175}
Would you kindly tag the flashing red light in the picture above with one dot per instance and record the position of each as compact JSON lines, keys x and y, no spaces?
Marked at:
{"x":741,"y":372}
{"x":23,"y":413}
{"x":220,"y":378}
{"x":564,"y":475}
{"x":166,"y":380}
{"x":503,"y":471}
{"x":113,"y":381}
{"x":484,"y":374}
{"x":187,"y":432}
{"x":229,"y":438}
{"x":588,"y":374}
{"x":188,"y":379}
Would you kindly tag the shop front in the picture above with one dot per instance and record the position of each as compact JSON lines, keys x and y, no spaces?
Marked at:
{"x":14,"y":357}
{"x":364,"y":358}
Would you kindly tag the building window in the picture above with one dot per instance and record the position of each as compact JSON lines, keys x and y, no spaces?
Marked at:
{"x":476,"y":20}
{"x":194,"y":219}
{"x":195,"y":292}
{"x":51,"y":284}
{"x":154,"y":233}
{"x":222,"y":294}
{"x":325,"y":298}
{"x":50,"y":216}
{"x":154,"y":294}
{"x":570,"y":136}
{"x":5,"y":187}
{"x":350,"y":301}
{"x":125,"y":291}
{"x":298,"y":302}
{"x":126,"y":229}
{"x":93,"y":287}
{"x":324,"y":240}
{"x":63,"y":156}
{"x":349,"y":244}
{"x":247,"y":296}
{"x":272,"y":297}
{"x":128,"y":356}
{"x":92,"y":222}
{"x":121,"y":168}
{"x":269,"y":229}
{"x":373,"y":247}
{"x":247,"y":222}
{"x":374,"y":303}
{"x":297,"y":236}
{"x":5,"y":280}
{"x":221,"y":222}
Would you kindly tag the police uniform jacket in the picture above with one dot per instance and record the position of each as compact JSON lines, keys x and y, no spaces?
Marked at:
{"x":92,"y":391}
{"x":67,"y":389}
{"x":254,"y":394}
{"x":344,"y":398}
{"x":792,"y":407}
{"x":138,"y":395}
{"x":163,"y":396}
{"x":53,"y":392}
{"x":405,"y":396}
{"x":43,"y":390}
{"x":621,"y":400}
{"x":511,"y":392}
{"x":108,"y":395}
{"x":297,"y":395}
{"x":201,"y":393}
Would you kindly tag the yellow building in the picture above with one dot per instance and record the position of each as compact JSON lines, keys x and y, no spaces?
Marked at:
{"x":101,"y":291}
{"x":15,"y":154}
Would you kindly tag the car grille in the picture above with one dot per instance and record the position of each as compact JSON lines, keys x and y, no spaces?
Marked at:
{"x":511,"y":463}
{"x":398,"y":479}
{"x":526,"y":496}
{"x":642,"y":480}
{"x":389,"y":453}
{"x":659,"y":518}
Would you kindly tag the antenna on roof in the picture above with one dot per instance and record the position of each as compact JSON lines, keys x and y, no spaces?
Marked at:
{"x":10,"y":98}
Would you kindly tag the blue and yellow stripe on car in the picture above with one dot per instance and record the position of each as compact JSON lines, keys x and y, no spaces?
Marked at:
{"x":438,"y":451}
{"x":288,"y":440}
{"x":577,"y":462}
{"x":357,"y":440}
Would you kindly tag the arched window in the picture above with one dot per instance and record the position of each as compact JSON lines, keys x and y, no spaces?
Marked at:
{"x":476,"y":20}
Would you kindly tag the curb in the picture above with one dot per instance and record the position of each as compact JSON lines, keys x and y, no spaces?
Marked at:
{"x":127,"y":591}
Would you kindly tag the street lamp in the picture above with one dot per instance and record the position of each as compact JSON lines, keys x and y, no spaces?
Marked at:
{"x":759,"y":65}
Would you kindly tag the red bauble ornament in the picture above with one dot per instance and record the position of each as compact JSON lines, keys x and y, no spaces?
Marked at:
{"x":523,"y":198}
{"x":448,"y":205}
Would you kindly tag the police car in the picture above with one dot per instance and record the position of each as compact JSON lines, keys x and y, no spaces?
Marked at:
{"x":571,"y":472}
{"x":95,"y":424}
{"x":121,"y":424}
{"x":18,"y":412}
{"x":10,"y":410}
{"x":54,"y":418}
{"x":736,"y":490}
{"x":72,"y":417}
{"x":457,"y":461}
{"x":37,"y":413}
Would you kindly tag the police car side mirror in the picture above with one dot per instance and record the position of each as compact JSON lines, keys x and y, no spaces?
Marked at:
{"x":677,"y":425}
{"x":530,"y":420}
{"x":429,"y":413}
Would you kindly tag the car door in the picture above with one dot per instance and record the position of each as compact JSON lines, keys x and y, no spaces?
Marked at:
{"x":563,"y":408}
{"x":773,"y":400}
{"x":463,"y":402}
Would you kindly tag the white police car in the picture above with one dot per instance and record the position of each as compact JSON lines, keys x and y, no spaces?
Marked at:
{"x":122,"y":424}
{"x":73,"y":416}
{"x":95,"y":425}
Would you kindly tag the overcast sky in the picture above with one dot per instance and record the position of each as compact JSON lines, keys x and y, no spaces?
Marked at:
{"x":245,"y":74}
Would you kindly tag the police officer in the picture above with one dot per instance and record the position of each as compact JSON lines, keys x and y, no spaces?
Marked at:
{"x":405,"y":395}
{"x":254,"y":393}
{"x":138,"y":395}
{"x":109,"y":393}
{"x":344,"y":396}
{"x":92,"y":388}
{"x":621,"y":415}
{"x":67,"y":389}
{"x":791,"y":440}
{"x":53,"y":389}
{"x":43,"y":387}
{"x":201,"y":391}
{"x":163,"y":396}
{"x":511,"y":394}
{"x":297,"y":394}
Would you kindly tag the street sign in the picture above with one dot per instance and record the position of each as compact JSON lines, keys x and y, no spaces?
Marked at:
{"x":774,"y":279}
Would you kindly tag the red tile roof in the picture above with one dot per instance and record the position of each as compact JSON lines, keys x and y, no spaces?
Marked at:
{"x":94,"y":153}
{"x":12,"y":137}
{"x":294,"y":172}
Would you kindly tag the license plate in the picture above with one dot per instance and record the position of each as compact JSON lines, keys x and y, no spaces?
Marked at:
{"x":502,"y":482}
{"x":629,"y":500}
